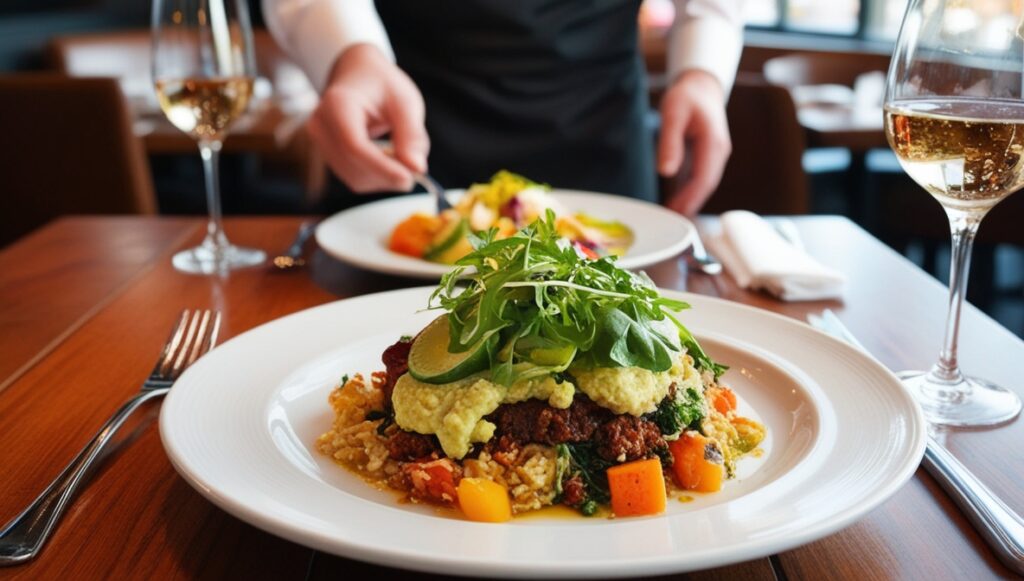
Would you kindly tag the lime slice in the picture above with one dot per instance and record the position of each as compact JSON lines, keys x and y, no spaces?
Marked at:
{"x":431,"y":362}
{"x":450,"y":236}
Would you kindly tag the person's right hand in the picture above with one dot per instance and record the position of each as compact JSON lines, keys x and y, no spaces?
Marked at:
{"x":368,"y":96}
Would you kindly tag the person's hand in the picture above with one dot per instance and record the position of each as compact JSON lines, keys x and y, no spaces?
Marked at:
{"x":366,"y":97}
{"x":693,"y":123}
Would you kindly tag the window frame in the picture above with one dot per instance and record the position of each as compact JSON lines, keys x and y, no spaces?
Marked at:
{"x":865,"y":16}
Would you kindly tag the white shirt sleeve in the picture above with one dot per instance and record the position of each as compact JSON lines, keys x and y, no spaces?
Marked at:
{"x":315,"y":32}
{"x":706,"y":35}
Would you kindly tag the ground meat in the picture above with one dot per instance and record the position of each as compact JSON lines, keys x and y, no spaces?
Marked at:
{"x":396,"y":362}
{"x":534,"y":421}
{"x":504,"y":450}
{"x":627,"y":438}
{"x":407,"y":446}
{"x":574,"y":491}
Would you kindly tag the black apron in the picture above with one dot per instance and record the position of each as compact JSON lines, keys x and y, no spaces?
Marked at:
{"x":554,"y":90}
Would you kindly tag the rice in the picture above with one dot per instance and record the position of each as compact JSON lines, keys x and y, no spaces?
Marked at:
{"x":528,"y":473}
{"x":353,"y":440}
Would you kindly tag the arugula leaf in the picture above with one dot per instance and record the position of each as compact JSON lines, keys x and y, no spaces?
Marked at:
{"x":700,"y":358}
{"x":627,"y":339}
{"x":548,"y":306}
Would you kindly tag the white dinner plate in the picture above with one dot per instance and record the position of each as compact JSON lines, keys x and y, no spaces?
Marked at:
{"x":360,"y":235}
{"x":241,"y":423}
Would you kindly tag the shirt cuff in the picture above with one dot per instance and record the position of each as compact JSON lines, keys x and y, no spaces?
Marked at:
{"x":316,"y":32}
{"x":709,"y":44}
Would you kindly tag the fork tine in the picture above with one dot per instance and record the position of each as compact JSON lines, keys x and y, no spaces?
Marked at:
{"x":199,"y":342}
{"x":214,"y":331}
{"x":201,"y":338}
{"x":171,"y":346}
{"x":186,"y":345}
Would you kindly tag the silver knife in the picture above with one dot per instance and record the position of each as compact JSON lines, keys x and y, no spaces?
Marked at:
{"x":1000,"y":526}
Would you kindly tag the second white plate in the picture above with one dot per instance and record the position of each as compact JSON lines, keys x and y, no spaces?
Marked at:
{"x":360,"y":235}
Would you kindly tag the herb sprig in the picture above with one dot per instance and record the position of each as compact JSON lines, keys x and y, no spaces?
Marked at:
{"x":540,"y":305}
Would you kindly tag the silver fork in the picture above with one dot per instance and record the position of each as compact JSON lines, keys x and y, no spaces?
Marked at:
{"x":424,"y":180}
{"x":22,"y":538}
{"x":699,"y":258}
{"x":997,"y":523}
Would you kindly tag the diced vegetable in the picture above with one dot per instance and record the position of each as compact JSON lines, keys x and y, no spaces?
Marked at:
{"x":413,"y":235}
{"x":483,"y":500}
{"x":697,"y":463}
{"x":434,"y":480}
{"x":749,"y":434}
{"x":722,"y":399}
{"x":637,"y":488}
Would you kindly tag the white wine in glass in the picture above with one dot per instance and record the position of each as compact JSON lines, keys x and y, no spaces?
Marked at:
{"x":203,"y":70}
{"x":954,"y":116}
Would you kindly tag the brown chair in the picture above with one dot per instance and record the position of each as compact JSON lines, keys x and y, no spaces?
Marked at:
{"x":68,"y":148}
{"x":765,"y":172}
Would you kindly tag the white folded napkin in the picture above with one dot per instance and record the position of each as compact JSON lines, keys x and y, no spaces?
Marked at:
{"x":758,"y":257}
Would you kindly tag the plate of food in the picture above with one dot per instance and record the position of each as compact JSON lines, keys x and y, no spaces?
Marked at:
{"x":549,"y":415}
{"x":405,"y":236}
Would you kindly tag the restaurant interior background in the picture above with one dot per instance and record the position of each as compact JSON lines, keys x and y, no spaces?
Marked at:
{"x":805,"y":118}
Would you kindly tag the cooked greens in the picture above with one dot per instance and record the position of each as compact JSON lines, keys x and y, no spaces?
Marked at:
{"x":583,"y":460}
{"x":550,"y":306}
{"x":674,"y":414}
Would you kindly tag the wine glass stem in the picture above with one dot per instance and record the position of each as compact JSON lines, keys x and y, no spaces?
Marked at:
{"x":946,"y":373}
{"x":209,"y":150}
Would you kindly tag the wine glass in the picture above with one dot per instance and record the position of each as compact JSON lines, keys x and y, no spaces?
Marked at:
{"x":954,"y":115}
{"x":203,"y":69}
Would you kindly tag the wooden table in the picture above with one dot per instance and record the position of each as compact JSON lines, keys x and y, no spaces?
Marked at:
{"x":85,"y":304}
{"x":858,"y":129}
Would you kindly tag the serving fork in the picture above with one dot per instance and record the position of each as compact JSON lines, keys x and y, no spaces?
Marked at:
{"x":424,"y":180}
{"x":23,"y":537}
{"x":998,"y":524}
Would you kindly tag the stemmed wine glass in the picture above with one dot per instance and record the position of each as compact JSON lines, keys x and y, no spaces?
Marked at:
{"x":954,"y":115}
{"x":203,"y":69}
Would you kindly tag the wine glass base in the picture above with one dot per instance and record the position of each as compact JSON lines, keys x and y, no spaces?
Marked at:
{"x":978,"y":403}
{"x":206,"y":259}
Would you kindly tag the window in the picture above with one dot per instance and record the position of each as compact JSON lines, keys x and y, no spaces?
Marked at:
{"x":761,"y":12}
{"x":833,"y":16}
{"x":874,"y":19}
{"x":885,"y":18}
{"x":871,"y":19}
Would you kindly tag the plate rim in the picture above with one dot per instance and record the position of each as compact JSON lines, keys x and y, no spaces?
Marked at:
{"x":426,"y":270}
{"x":467,"y":565}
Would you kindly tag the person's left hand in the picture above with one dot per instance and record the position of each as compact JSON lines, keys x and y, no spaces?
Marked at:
{"x":693,"y":114}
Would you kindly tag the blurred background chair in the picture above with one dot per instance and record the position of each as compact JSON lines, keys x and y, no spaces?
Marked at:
{"x":68,"y":148}
{"x":281,"y":85}
{"x":838,"y":97}
{"x":764,"y":174}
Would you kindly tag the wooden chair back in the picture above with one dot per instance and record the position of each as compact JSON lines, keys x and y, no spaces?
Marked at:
{"x":765,"y":171}
{"x":68,"y":148}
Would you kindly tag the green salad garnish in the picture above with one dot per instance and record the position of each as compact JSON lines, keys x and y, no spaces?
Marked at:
{"x":539,"y":305}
